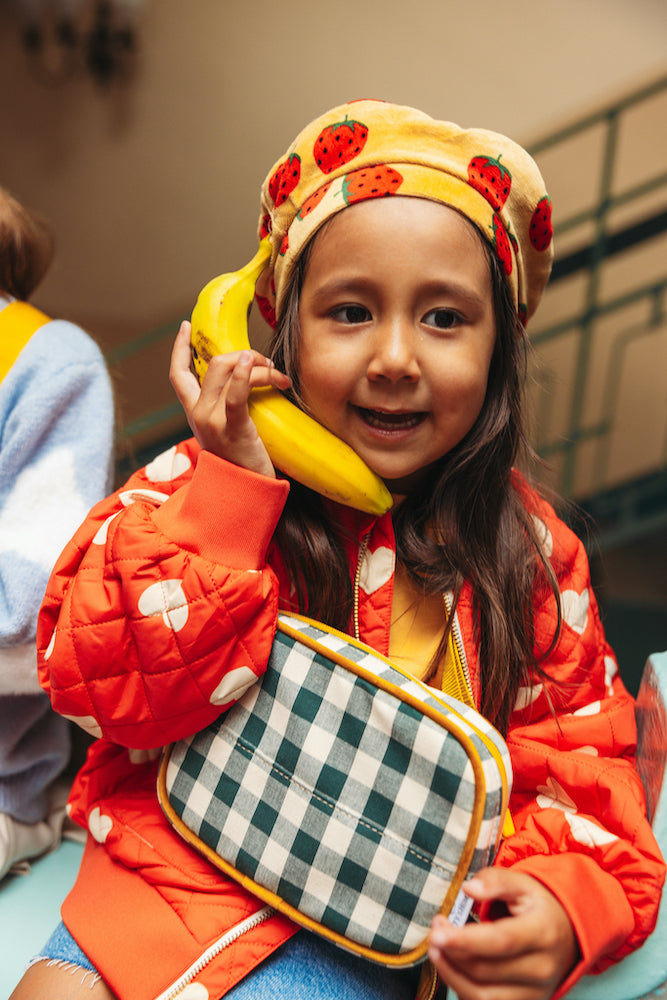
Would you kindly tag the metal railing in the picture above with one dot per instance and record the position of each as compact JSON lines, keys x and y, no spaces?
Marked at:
{"x":587,"y":438}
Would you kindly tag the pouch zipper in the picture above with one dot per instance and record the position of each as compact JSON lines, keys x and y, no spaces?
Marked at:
{"x":229,"y":937}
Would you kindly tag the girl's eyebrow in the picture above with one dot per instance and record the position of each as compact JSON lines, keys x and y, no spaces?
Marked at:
{"x":455,"y":289}
{"x":448,"y":288}
{"x":340,"y":286}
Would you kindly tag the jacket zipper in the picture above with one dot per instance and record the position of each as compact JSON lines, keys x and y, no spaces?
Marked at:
{"x":228,"y":938}
{"x":357,"y":576}
{"x":456,"y":628}
{"x":508,"y":825}
{"x":458,"y":643}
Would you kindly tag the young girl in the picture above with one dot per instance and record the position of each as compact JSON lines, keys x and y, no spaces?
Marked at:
{"x":404,"y":252}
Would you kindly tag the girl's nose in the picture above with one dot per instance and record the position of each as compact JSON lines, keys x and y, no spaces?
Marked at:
{"x":394,"y":353}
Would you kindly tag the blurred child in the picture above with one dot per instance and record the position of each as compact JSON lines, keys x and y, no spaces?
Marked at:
{"x":56,"y":435}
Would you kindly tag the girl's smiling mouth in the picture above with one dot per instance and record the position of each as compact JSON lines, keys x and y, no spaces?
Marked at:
{"x":392,"y":421}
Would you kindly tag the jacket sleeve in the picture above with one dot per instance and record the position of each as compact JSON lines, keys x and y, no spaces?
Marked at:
{"x":161,"y":610}
{"x":578,"y":804}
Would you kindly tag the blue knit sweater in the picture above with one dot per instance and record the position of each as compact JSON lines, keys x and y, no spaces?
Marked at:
{"x":56,"y":441}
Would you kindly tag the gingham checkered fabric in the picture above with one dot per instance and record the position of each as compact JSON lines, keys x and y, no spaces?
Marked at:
{"x":339,"y":797}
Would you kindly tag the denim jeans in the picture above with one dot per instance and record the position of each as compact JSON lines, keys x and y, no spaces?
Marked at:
{"x":305,"y":968}
{"x":61,"y":947}
{"x":309,"y":968}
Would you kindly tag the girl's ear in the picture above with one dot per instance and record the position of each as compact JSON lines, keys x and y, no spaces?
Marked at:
{"x":265,"y":286}
{"x":265,"y":296}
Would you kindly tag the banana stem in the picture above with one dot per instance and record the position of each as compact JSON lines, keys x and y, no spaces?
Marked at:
{"x":254,"y":267}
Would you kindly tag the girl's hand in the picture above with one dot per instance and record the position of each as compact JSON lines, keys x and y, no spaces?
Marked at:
{"x":218,"y":411}
{"x":525,"y":954}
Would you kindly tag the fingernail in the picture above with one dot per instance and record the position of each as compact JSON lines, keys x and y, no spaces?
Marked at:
{"x":245,"y":357}
{"x":439,"y":933}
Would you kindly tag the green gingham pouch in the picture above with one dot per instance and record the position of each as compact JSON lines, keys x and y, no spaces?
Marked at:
{"x":345,"y":793}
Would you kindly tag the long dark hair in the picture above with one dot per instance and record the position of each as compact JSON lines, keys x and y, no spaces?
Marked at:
{"x":467,"y":522}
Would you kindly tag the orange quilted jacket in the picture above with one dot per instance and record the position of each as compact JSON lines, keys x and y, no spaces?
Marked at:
{"x":162,"y":610}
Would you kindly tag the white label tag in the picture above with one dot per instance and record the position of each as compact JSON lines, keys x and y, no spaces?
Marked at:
{"x":461,"y":909}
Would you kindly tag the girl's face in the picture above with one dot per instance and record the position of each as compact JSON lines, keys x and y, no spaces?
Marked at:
{"x":397,"y":333}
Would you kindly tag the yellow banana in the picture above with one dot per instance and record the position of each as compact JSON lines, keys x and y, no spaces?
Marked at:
{"x":297,"y":444}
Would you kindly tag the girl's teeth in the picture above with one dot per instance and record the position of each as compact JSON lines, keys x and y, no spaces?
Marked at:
{"x":393,"y":420}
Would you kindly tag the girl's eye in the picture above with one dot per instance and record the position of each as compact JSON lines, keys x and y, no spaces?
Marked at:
{"x":442,"y":319}
{"x":351,"y":314}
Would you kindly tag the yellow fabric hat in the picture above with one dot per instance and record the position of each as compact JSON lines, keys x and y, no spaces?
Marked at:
{"x":370,"y":149}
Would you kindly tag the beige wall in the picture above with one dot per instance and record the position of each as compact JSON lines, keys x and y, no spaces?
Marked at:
{"x":154,"y":188}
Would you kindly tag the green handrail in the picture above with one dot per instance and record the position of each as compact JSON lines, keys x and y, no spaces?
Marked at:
{"x":580,"y":432}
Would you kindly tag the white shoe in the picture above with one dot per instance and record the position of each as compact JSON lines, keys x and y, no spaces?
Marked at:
{"x":20,"y":841}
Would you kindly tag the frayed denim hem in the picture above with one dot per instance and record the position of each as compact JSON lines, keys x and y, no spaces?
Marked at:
{"x":71,"y":967}
{"x":61,"y":950}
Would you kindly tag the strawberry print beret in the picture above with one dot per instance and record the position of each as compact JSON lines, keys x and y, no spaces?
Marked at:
{"x":373,"y":149}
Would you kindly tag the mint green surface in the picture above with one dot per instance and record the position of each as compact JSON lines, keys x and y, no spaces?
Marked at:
{"x":30,"y":910}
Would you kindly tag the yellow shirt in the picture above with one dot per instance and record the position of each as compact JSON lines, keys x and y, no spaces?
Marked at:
{"x":417,"y":626}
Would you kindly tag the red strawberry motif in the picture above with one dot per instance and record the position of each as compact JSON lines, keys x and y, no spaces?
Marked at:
{"x":371,"y":182}
{"x":285,"y":179}
{"x":491,"y":178}
{"x":541,"y":230}
{"x":501,"y":243}
{"x":275,"y":181}
{"x":265,"y":226}
{"x":284,"y":245}
{"x":339,"y":143}
{"x":267,"y":309}
{"x":312,"y":202}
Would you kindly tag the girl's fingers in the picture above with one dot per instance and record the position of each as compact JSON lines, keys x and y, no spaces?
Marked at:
{"x":185,"y":381}
{"x":497,"y":883}
{"x":217,"y":412}
{"x":182,"y":379}
{"x":532,"y":948}
{"x":491,"y":941}
{"x":276,"y":377}
{"x":238,"y":390}
{"x":491,"y":952}
{"x":262,"y":372}
{"x":467,"y":988}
